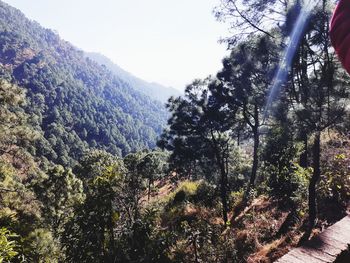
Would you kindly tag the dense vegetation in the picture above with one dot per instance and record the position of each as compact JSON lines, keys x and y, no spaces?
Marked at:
{"x":76,"y":102}
{"x":230,"y":182}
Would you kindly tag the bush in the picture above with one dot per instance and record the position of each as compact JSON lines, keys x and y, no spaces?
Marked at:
{"x":184,"y":192}
{"x":236,"y":198}
{"x":188,"y":202}
{"x":197,"y":192}
{"x":334,"y":186}
{"x":206,"y":194}
{"x":289,"y":184}
{"x":335,"y":183}
{"x":8,"y":246}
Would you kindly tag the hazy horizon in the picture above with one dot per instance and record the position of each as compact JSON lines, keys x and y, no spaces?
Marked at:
{"x":167,"y":42}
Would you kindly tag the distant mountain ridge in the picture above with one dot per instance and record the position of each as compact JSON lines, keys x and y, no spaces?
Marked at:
{"x":73,"y":101}
{"x":152,"y":89}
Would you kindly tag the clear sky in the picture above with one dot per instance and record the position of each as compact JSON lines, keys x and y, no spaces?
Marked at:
{"x":170,"y":42}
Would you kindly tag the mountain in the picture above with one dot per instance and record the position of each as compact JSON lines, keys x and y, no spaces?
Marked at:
{"x":74,"y":102}
{"x":152,"y":89}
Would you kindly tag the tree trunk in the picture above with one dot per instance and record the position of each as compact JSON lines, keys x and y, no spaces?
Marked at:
{"x":313,"y":181}
{"x":224,"y":192}
{"x":111,"y":239}
{"x":304,"y":156}
{"x":149,"y":189}
{"x":195,"y":249}
{"x":220,"y":160}
{"x":255,"y":157}
{"x":111,"y":248}
{"x":238,"y":138}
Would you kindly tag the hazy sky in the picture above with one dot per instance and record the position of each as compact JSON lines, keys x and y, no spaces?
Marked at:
{"x":166,"y":41}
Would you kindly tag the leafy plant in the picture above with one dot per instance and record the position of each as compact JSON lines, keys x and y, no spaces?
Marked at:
{"x":8,"y":246}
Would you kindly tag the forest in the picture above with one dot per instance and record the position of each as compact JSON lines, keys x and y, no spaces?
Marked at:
{"x":75,"y":102}
{"x":92,"y":170}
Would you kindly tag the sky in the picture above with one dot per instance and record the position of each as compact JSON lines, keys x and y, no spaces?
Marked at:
{"x":170,"y":42}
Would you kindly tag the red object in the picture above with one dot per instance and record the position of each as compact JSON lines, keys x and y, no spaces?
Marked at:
{"x":340,"y":32}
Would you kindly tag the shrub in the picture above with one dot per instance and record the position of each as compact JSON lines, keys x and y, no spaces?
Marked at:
{"x":184,"y":192}
{"x":335,"y":183}
{"x":8,"y":246}
{"x":334,"y":186}
{"x":288,"y":184}
{"x":236,"y":198}
{"x":206,"y":194}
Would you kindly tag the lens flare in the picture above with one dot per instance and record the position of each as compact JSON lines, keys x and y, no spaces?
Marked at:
{"x":285,"y":64}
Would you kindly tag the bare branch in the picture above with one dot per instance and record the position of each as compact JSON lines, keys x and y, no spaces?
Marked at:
{"x":249,"y":22}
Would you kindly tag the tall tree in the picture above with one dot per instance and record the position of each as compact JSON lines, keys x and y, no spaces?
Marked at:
{"x":199,"y":131}
{"x":247,"y":76}
{"x":135,"y":183}
{"x":94,"y":224}
{"x":318,"y":91}
{"x":60,"y":193}
{"x":151,"y":166}
{"x":251,"y":17}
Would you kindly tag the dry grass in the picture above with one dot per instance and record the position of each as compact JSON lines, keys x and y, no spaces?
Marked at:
{"x":256,"y":229}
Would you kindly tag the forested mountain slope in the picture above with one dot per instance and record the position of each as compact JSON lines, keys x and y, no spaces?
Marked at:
{"x":229,"y":183}
{"x":74,"y":101}
{"x":154,"y":90}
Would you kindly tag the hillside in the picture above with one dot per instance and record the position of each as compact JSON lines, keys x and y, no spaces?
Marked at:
{"x":75,"y":102}
{"x":236,"y":176}
{"x":153,"y":90}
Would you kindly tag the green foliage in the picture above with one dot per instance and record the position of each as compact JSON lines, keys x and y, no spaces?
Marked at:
{"x":236,"y":198}
{"x":72,"y":100}
{"x":199,"y":135}
{"x":14,"y":128}
{"x":337,"y":178}
{"x":334,"y":187}
{"x":198,"y":130}
{"x":290,"y":184}
{"x":40,"y":246}
{"x":92,"y":225}
{"x":151,"y":166}
{"x":109,"y":223}
{"x":99,"y":207}
{"x":59,"y":193}
{"x":246,"y":78}
{"x":21,"y":213}
{"x":240,"y":165}
{"x":206,"y":194}
{"x":285,"y":176}
{"x":144,"y":241}
{"x":197,"y":236}
{"x":8,"y":246}
{"x":93,"y":162}
{"x":184,"y":192}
